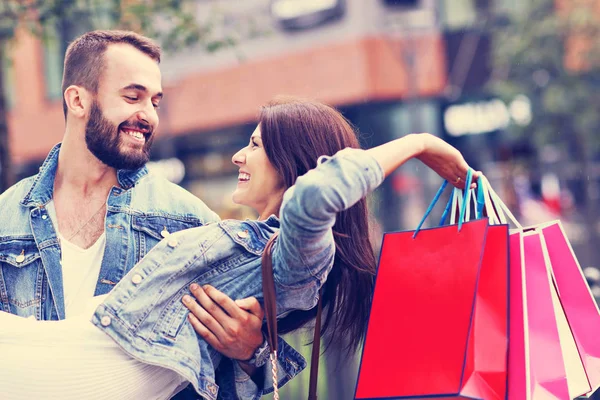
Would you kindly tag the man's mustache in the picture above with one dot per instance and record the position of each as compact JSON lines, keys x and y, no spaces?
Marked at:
{"x":139,"y":126}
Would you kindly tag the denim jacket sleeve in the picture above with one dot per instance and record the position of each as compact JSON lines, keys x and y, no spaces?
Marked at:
{"x":305,"y":248}
{"x":290,"y":363}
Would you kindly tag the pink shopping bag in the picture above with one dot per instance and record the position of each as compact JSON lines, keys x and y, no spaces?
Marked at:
{"x":548,"y":377}
{"x":518,"y":352}
{"x":544,"y":362}
{"x":576,"y":298}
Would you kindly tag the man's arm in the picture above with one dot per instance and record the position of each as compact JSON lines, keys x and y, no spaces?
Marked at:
{"x":234,"y":329}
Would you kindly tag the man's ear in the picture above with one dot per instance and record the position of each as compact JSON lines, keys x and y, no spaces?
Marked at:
{"x":78,"y":100}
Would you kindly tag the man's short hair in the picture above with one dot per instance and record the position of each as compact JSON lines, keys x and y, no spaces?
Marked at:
{"x":84,"y":59}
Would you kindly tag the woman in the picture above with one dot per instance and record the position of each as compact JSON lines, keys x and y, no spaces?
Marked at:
{"x":319,"y":209}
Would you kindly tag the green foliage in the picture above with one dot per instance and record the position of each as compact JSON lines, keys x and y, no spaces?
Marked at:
{"x":175,"y":24}
{"x":529,"y":58}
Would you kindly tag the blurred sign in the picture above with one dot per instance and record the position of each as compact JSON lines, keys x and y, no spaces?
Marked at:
{"x":303,"y":14}
{"x":402,"y":3}
{"x":486,"y":116}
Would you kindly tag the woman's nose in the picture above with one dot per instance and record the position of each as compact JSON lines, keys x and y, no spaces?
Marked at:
{"x":239,"y":158}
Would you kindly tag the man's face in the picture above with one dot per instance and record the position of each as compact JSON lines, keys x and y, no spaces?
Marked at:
{"x":122,"y":118}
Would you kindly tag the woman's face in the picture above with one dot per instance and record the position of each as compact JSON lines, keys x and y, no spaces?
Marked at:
{"x":259,"y":185}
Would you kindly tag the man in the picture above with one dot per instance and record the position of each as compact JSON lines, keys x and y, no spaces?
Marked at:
{"x":93,"y":211}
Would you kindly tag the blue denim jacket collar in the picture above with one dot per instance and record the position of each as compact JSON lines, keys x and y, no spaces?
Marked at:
{"x":43,"y":187}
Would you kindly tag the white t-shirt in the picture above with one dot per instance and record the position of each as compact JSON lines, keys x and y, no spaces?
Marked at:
{"x":73,"y":360}
{"x":80,"y":268}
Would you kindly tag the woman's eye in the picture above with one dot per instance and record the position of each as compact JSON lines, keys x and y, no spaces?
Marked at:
{"x":131,"y":98}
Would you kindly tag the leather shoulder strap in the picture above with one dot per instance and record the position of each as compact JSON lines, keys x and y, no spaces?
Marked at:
{"x":271,"y":317}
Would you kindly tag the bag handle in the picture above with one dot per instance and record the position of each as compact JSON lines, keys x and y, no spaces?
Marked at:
{"x":435,"y":200}
{"x":458,"y":199}
{"x":496,"y":204}
{"x":268,"y":282}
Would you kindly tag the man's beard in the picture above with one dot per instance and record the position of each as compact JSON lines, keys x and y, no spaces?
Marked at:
{"x":103,"y":139}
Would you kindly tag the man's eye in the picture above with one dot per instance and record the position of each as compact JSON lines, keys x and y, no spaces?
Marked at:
{"x":157,"y":106}
{"x":131,"y":98}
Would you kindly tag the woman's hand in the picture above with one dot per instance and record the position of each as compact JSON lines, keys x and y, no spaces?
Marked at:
{"x":233,"y":328}
{"x":445,"y":160}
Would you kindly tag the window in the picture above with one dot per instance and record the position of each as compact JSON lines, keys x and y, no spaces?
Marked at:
{"x":456,"y":14}
{"x":56,"y":40}
{"x":8,"y":78}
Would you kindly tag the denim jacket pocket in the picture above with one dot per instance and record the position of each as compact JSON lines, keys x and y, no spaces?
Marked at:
{"x":151,"y":229}
{"x":18,"y":253}
{"x":20,"y":267}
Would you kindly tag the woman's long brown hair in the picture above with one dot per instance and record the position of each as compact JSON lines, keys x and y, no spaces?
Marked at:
{"x":295,"y":132}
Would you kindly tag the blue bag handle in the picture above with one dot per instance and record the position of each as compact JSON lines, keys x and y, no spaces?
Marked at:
{"x":447,"y":209}
{"x":463,"y":209}
{"x":480,"y":199}
{"x":430,"y":208}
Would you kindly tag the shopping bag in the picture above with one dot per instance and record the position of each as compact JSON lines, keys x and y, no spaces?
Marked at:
{"x":580,"y":308}
{"x":518,"y":351}
{"x":437,"y":326}
{"x":544,"y":362}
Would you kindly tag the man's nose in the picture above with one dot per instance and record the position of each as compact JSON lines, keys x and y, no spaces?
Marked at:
{"x":148,"y":115}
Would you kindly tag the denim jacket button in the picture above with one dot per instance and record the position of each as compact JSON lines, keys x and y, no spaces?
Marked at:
{"x":20,"y":258}
{"x":173,"y":243}
{"x":164,"y":233}
{"x":44,"y":216}
{"x":136,"y":279}
{"x":105,"y":321}
{"x":243,"y":234}
{"x":212,"y":389}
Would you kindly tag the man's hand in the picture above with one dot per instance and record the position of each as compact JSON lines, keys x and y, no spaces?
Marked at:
{"x":233,"y":328}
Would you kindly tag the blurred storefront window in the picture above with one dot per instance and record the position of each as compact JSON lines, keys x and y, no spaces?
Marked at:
{"x":8,"y":71}
{"x":304,"y":14}
{"x":55,"y":43}
{"x":457,"y":14}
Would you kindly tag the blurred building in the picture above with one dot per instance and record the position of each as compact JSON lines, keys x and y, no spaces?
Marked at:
{"x":392,"y":66}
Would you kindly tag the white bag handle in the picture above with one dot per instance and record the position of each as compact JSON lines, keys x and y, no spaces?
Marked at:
{"x":494,"y":214}
{"x":497,"y":205}
{"x":457,"y":201}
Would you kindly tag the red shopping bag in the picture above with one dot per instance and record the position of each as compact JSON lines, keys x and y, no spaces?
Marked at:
{"x":576,"y":298}
{"x":438,"y":319}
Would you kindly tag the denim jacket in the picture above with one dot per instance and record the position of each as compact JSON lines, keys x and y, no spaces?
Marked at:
{"x":144,"y":313}
{"x":139,"y":214}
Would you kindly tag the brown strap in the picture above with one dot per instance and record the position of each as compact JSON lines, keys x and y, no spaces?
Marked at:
{"x":268,"y":284}
{"x":314,"y":358}
{"x":271,"y":316}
